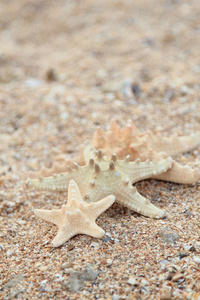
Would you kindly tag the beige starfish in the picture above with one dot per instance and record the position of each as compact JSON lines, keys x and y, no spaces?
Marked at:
{"x":117,"y":139}
{"x":100,"y":177}
{"x":148,"y":145}
{"x":76,"y":216}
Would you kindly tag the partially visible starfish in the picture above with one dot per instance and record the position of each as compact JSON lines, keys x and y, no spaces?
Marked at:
{"x":76,"y":216}
{"x":124,"y":141}
{"x":101,"y":177}
{"x":148,"y":145}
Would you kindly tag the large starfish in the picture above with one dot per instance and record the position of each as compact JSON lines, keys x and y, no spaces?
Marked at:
{"x":101,"y":177}
{"x":76,"y":216}
{"x":148,"y":145}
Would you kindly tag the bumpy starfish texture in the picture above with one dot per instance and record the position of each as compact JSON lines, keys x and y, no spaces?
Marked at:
{"x":76,"y":217}
{"x":148,"y":145}
{"x":101,"y":177}
{"x":117,"y":140}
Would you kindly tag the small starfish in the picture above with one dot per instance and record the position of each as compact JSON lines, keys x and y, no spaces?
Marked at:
{"x":101,"y":177}
{"x":76,"y":216}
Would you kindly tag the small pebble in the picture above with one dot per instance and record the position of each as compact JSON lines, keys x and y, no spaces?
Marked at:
{"x":13,"y":281}
{"x":183,"y":254}
{"x":166,"y":295}
{"x":9,"y":252}
{"x":193,"y":249}
{"x":144,"y":282}
{"x":94,"y":244}
{"x":38,"y":264}
{"x":115,"y":297}
{"x":177,"y":277}
{"x":44,"y":268}
{"x":59,"y":277}
{"x":109,"y":261}
{"x":70,"y":247}
{"x":106,"y":239}
{"x":33,"y":83}
{"x":196,"y":259}
{"x":132,"y":281}
{"x":169,"y":236}
{"x":21,"y":222}
{"x":67,"y":265}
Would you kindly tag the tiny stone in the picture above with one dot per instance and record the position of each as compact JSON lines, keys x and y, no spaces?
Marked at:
{"x":43,"y":282}
{"x":196,"y":259}
{"x":73,"y":284}
{"x":115,"y":297}
{"x":51,"y":75}
{"x":89,"y":274}
{"x":166,"y":295}
{"x":144,"y":282}
{"x":161,"y":277}
{"x":188,"y":213}
{"x":101,"y":286}
{"x":106,"y":239}
{"x":169,"y":236}
{"x":21,"y":222}
{"x":103,"y":262}
{"x":111,"y":291}
{"x":183,"y":254}
{"x":177,"y":277}
{"x":13,"y":281}
{"x":77,"y":278}
{"x":44,"y":268}
{"x":59,"y":277}
{"x":67,"y":265}
{"x":71,"y":247}
{"x":37,"y":265}
{"x":187,"y":247}
{"x":132,"y":281}
{"x":169,"y":276}
{"x":164,"y":262}
{"x":136,"y":89}
{"x":109,"y":261}
{"x":193,"y":249}
{"x":33,"y":82}
{"x":94,"y":244}
{"x":9,"y":252}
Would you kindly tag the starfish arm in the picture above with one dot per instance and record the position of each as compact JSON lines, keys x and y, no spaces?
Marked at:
{"x":93,"y":230}
{"x":89,"y":152}
{"x":60,"y":182}
{"x":100,"y":206}
{"x":63,"y":235}
{"x":180,"y":174}
{"x":87,"y":227}
{"x":74,"y":194}
{"x":136,"y":171}
{"x":58,"y":167}
{"x":174,"y":144}
{"x":125,"y":194}
{"x":98,"y":139}
{"x":52,"y":216}
{"x":140,"y":204}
